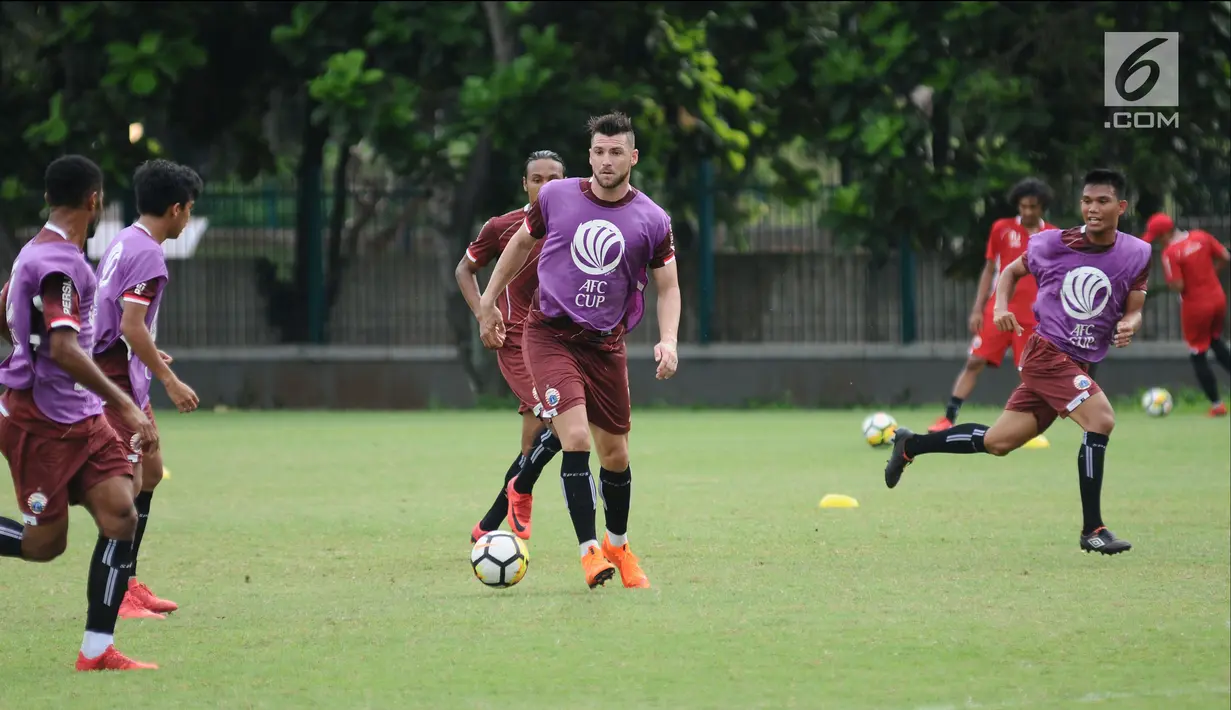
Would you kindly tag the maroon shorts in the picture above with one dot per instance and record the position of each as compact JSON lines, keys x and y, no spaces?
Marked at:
{"x":1202,"y":323}
{"x":516,"y":372}
{"x":50,"y":471}
{"x":572,"y":366}
{"x":989,"y":345}
{"x":127,"y":435}
{"x":1053,"y":384}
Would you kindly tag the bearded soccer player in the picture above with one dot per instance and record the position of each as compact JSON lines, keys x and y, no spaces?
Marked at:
{"x":1191,"y":262}
{"x":538,"y":443}
{"x":60,"y":448}
{"x":1092,"y":287}
{"x":600,"y":236}
{"x":132,"y":279}
{"x":1007,"y":240}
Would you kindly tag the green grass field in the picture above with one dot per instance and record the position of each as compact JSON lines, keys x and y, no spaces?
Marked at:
{"x":321,"y":561}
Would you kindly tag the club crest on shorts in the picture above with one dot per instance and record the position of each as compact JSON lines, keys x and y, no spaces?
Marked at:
{"x":135,"y":442}
{"x":37,"y":502}
{"x":553,"y":397}
{"x":976,"y":343}
{"x":1082,"y":382}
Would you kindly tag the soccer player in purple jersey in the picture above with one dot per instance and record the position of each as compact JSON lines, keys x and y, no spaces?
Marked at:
{"x":1092,"y":286}
{"x":60,"y":448}
{"x":600,"y":237}
{"x":132,"y":279}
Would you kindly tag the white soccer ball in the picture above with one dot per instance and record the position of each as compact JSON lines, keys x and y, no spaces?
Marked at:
{"x":1157,"y":402}
{"x":878,"y":429}
{"x":500,"y":559}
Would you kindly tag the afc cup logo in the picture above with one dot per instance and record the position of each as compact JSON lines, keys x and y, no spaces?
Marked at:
{"x":1085,"y":292}
{"x":1082,"y":382}
{"x":597,"y":247}
{"x":37,"y":503}
{"x":553,"y":397}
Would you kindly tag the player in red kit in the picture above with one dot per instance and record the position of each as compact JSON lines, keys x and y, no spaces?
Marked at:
{"x":1007,"y":241}
{"x":538,"y":443}
{"x":1191,"y":262}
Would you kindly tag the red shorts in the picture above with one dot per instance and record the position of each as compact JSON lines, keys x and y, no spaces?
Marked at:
{"x":572,"y":366}
{"x":1053,"y":384}
{"x":53,"y":465}
{"x":127,"y":435}
{"x":516,"y":373}
{"x":989,"y":345}
{"x":1202,"y":323}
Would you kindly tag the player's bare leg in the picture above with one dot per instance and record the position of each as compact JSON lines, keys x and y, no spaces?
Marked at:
{"x":38,"y":543}
{"x":962,"y":388}
{"x":139,"y":602}
{"x":1010,"y":432}
{"x":1096,"y":417}
{"x":580,"y":494}
{"x":111,"y":504}
{"x":616,"y":485}
{"x":541,"y":446}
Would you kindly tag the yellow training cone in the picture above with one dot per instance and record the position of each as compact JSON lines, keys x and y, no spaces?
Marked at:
{"x":836,"y":500}
{"x":166,"y":473}
{"x":1038,"y":442}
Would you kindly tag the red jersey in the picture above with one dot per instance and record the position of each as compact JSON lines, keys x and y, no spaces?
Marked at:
{"x":514,"y":303}
{"x":1190,"y":257}
{"x":1007,"y":241}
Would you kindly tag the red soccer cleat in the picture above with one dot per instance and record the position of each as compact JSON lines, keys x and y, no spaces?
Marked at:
{"x":130,"y":608}
{"x":478,"y":532}
{"x":940,"y":425}
{"x":1218,"y":410}
{"x":143,"y":597}
{"x":520,"y":505}
{"x":112,"y":660}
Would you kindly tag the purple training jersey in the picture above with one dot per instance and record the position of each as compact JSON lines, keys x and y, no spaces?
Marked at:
{"x":1082,"y":294}
{"x":51,"y":285}
{"x":134,"y":270}
{"x":596,"y":253}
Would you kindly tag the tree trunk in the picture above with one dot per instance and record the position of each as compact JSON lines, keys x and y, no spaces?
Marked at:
{"x":338,"y":260}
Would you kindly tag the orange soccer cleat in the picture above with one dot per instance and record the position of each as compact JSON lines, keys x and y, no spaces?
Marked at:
{"x":940,"y":425}
{"x":598,"y":568}
{"x":130,"y":608}
{"x":630,"y":568}
{"x":1218,"y":410}
{"x":143,"y":597}
{"x":520,"y":505}
{"x":112,"y":660}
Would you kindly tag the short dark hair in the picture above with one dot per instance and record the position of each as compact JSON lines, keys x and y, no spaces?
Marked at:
{"x":611,"y":124}
{"x":159,"y":184}
{"x":1105,"y":176}
{"x":70,"y":180}
{"x":544,"y":155}
{"x":1031,"y":187}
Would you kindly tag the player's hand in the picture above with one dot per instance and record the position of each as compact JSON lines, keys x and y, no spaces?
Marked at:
{"x":976,"y":322}
{"x":491,"y":326}
{"x":136,"y":420}
{"x":1006,"y":321}
{"x":667,"y":358}
{"x":1125,"y":330}
{"x":182,"y":396}
{"x":165,"y":357}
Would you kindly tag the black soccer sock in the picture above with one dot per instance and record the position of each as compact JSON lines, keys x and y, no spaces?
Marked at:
{"x":617,"y":489}
{"x":500,"y":509}
{"x":544,"y":450}
{"x":961,"y":439}
{"x":951,"y":409}
{"x":1205,"y":376}
{"x":110,"y":568}
{"x":1222,"y":353}
{"x":10,"y":537}
{"x":579,"y":494}
{"x":1090,"y":478}
{"x":142,"y":503}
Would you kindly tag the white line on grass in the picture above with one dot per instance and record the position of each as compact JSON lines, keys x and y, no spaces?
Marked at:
{"x":972,"y":704}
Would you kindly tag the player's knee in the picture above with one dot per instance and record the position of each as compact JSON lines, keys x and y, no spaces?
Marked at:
{"x":573,"y":438}
{"x":999,"y":446}
{"x":45,"y":550}
{"x":119,"y":522}
{"x":1102,"y":423}
{"x":151,"y":476}
{"x":975,"y":364}
{"x":614,"y":457}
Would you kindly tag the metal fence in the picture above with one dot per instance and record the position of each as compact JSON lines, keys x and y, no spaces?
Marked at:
{"x":779,"y":279}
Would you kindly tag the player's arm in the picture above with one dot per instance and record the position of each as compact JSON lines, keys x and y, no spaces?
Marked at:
{"x":1018,"y":270}
{"x":477,"y":255}
{"x":511,"y":261}
{"x":61,"y":314}
{"x":136,"y":303}
{"x":1133,"y":305}
{"x":1219,"y":254}
{"x":985,"y":287}
{"x":1175,"y":280}
{"x":667,"y":284}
